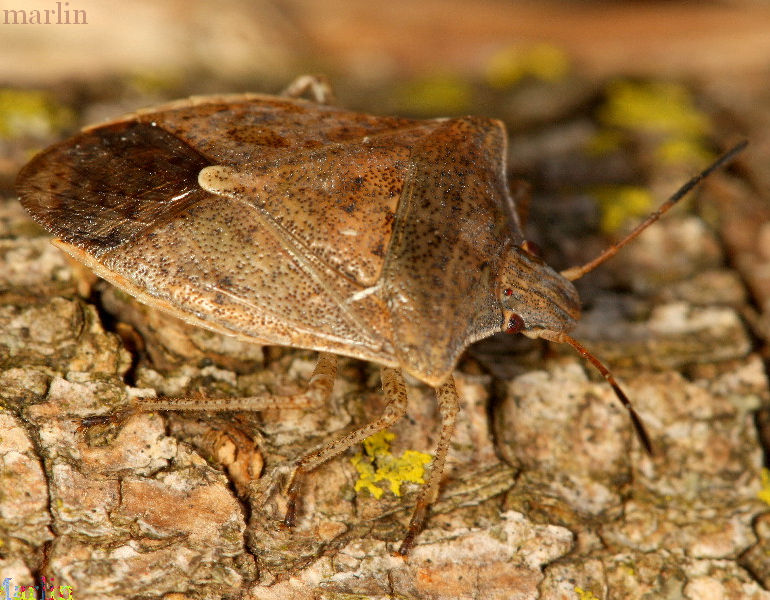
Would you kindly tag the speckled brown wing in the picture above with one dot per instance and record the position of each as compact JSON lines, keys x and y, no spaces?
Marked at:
{"x":264,"y":263}
{"x":246,"y":128}
{"x":329,"y":178}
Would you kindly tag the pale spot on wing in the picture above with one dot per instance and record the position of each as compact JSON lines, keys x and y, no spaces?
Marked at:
{"x":364,"y":293}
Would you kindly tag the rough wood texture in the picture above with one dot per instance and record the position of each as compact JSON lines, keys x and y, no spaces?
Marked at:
{"x":547,"y":493}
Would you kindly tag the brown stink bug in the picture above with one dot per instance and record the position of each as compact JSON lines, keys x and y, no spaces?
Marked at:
{"x":283,"y":221}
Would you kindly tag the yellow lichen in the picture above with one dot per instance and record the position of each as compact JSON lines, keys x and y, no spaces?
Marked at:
{"x":764,"y":493}
{"x":379,"y":443}
{"x":508,"y":66}
{"x":439,"y":93}
{"x":154,"y":82}
{"x":622,"y":203}
{"x":664,"y":112}
{"x":585,"y":594}
{"x":682,"y":151}
{"x":378,"y":464}
{"x":605,"y":141}
{"x":661,"y":107}
{"x":31,"y":113}
{"x":629,"y":569}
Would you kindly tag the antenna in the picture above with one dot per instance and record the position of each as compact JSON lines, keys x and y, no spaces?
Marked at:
{"x":574,"y":273}
{"x":636,"y":421}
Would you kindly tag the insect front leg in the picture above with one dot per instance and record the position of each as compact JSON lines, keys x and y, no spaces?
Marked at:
{"x":448,"y":406}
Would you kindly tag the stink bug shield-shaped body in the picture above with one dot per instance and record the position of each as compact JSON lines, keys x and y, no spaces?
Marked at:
{"x":286,"y":222}
{"x":281,"y":221}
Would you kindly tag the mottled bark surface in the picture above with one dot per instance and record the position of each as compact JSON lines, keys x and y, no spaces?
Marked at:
{"x":547,"y":493}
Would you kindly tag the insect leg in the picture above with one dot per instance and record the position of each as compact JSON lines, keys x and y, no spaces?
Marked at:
{"x":317,"y":86}
{"x":448,"y":406}
{"x":319,"y":388}
{"x":394,"y":388}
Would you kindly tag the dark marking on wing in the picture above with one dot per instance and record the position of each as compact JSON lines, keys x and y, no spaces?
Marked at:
{"x":109,"y":185}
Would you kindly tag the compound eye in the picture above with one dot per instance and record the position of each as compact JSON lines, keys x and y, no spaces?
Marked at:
{"x":515,"y":324}
{"x":532,"y":249}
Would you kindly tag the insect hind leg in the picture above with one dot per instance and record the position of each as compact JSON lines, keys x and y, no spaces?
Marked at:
{"x":319,"y":388}
{"x":317,"y":87}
